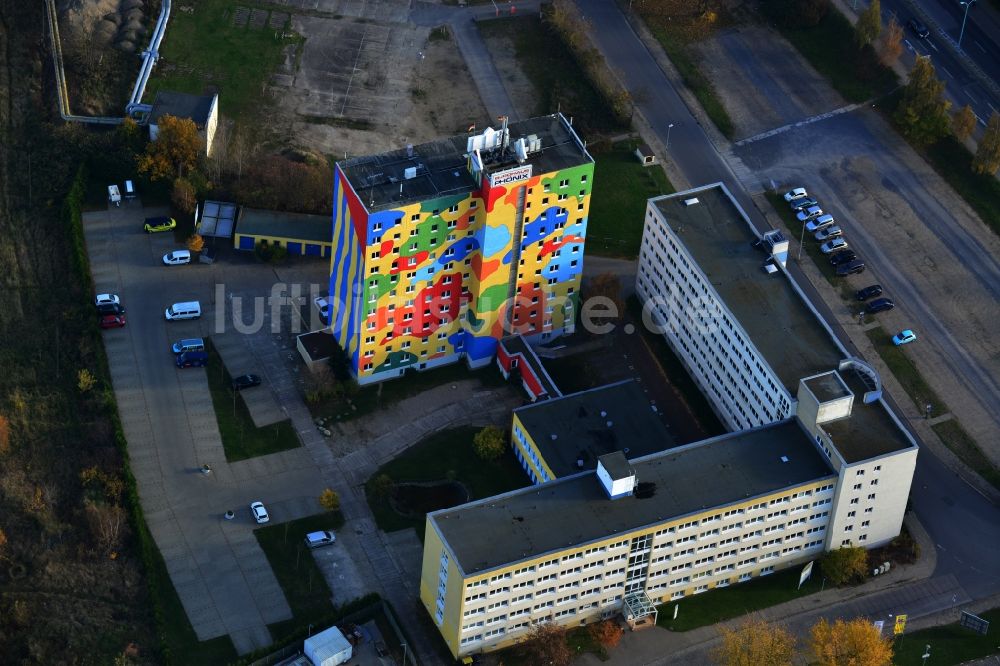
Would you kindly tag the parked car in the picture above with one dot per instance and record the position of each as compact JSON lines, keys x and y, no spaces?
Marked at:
{"x":918,"y":28}
{"x":323,"y":305}
{"x":112,"y":321}
{"x":803,"y":202}
{"x":842,"y":257}
{"x":851,"y":267}
{"x":154,"y":224}
{"x":245,"y":381}
{"x":819,"y":223}
{"x":809,"y":214}
{"x":904,"y":337}
{"x":111,"y":309}
{"x":191,"y":359}
{"x":832,"y":246}
{"x":177,"y":258}
{"x":797,"y":193}
{"x":259,"y":512}
{"x":319,"y":539}
{"x":871,"y":291}
{"x":880,"y":305}
{"x":106,"y":299}
{"x":828,"y":233}
{"x":188,"y":345}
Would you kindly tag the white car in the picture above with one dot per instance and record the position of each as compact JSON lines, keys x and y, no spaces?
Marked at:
{"x":809,"y":213}
{"x":259,"y":513}
{"x":835,"y":245}
{"x":797,"y":193}
{"x":828,"y":233}
{"x":822,"y":221}
{"x":107,"y":299}
{"x":319,"y":539}
{"x":177,"y":257}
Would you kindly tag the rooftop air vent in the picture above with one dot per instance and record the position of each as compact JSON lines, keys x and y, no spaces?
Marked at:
{"x":410,"y":172}
{"x":690,"y":202}
{"x":784,"y":459}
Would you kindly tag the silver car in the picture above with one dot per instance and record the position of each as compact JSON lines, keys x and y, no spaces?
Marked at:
{"x":809,"y":213}
{"x":820,"y":222}
{"x":828,"y":233}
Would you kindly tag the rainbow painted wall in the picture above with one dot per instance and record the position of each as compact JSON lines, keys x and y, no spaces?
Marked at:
{"x":428,"y":282}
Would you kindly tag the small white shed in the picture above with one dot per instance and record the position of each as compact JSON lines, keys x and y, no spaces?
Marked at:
{"x":328,"y":648}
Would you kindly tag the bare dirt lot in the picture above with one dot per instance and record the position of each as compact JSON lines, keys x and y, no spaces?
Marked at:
{"x":763,"y":80}
{"x":366,"y":85}
{"x":934,"y":257}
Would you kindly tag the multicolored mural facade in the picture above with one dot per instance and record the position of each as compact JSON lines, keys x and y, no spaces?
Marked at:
{"x":430,"y":282}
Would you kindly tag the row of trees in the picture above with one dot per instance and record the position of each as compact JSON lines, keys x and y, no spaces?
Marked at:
{"x":756,"y":642}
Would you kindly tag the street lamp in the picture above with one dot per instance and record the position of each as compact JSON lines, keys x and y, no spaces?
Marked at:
{"x":927,"y":410}
{"x":966,"y":4}
{"x":926,"y":655}
{"x":669,"y":127}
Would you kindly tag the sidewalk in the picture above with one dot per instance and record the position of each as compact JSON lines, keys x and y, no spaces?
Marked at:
{"x":905,"y":589}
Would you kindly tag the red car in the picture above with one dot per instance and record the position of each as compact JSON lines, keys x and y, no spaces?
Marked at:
{"x":112,"y":321}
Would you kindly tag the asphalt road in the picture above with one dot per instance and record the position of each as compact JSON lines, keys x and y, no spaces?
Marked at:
{"x":949,"y":63}
{"x":964,"y":524}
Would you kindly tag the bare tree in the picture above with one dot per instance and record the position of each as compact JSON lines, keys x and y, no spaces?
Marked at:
{"x":107,"y":524}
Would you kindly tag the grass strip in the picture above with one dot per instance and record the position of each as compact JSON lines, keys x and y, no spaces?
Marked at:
{"x":618,"y":204}
{"x":718,"y":604}
{"x":963,"y":446}
{"x":241,"y":439}
{"x":950,"y":644}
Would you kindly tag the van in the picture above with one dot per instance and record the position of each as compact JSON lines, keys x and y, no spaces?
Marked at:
{"x":187,"y":310}
{"x":319,"y":539}
{"x":188,"y":345}
{"x":195,"y":359}
{"x":129,"y":190}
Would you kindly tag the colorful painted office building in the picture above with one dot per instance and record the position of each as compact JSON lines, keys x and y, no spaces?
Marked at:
{"x":442,"y":249}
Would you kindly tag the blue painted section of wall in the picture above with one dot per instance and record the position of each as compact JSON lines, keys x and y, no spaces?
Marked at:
{"x":246,"y":242}
{"x":313,"y":250}
{"x":294,"y":247}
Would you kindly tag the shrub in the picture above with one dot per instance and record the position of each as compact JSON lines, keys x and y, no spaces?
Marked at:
{"x":489,"y":443}
{"x":329,"y":499}
{"x":606,"y":633}
{"x":845,"y":565}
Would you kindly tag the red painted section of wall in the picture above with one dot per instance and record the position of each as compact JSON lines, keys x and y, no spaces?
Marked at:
{"x":359,"y":216}
{"x":526,"y":312}
{"x":385,"y":249}
{"x":551,"y":246}
{"x":420,"y":305}
{"x":410,"y":263}
{"x":529,"y":378}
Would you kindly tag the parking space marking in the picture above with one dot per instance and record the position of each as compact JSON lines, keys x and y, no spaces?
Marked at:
{"x":931,"y":44}
{"x":807,"y":121}
{"x":945,"y":70}
{"x":969,"y":95}
{"x":980,"y":46}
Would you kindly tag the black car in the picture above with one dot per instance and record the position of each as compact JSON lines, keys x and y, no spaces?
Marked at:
{"x":918,"y":28}
{"x":245,"y":381}
{"x":854,"y":266}
{"x":110,"y":309}
{"x":870,"y":291}
{"x":880,"y":305}
{"x":803,"y":203}
{"x":842,"y":257}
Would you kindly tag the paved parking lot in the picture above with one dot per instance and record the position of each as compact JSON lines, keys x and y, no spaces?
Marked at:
{"x":221,"y":576}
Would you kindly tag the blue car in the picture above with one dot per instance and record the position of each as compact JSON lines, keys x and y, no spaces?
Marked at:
{"x":904,"y":337}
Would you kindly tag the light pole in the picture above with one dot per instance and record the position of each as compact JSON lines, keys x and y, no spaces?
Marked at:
{"x":926,"y":655}
{"x":671,"y":125}
{"x":967,"y":4}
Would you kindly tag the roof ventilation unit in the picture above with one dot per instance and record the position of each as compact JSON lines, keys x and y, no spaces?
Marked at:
{"x":410,"y":172}
{"x":690,"y":202}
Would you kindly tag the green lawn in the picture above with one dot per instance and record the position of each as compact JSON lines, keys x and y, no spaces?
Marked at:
{"x":953,"y":162}
{"x":904,"y":370}
{"x":446,"y":454}
{"x":950,"y":644}
{"x":830,"y":48}
{"x":678,"y":374}
{"x":240,"y":438}
{"x":810,"y":246}
{"x":204,"y":49}
{"x":292,"y":562}
{"x":618,"y":204}
{"x":959,"y":441}
{"x":722,"y":604}
{"x":558,"y":79}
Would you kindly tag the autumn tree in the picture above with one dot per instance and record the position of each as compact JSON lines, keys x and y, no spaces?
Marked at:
{"x":85,"y":380}
{"x":963,"y":122}
{"x":987,"y":159}
{"x":869,"y":24}
{"x":606,"y":633}
{"x":546,"y":644}
{"x":755,"y":642}
{"x":329,"y":499}
{"x":279,"y":183}
{"x":892,"y":42}
{"x":489,"y":443}
{"x":847,"y":643}
{"x":175,"y":151}
{"x":845,"y":565}
{"x":607,"y":285}
{"x":195,"y":243}
{"x":183,"y":196}
{"x":922,"y":114}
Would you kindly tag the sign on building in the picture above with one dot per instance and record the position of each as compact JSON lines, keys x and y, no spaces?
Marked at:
{"x":900,"y":625}
{"x":974,"y":622}
{"x":879,"y":626}
{"x":508,"y":176}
